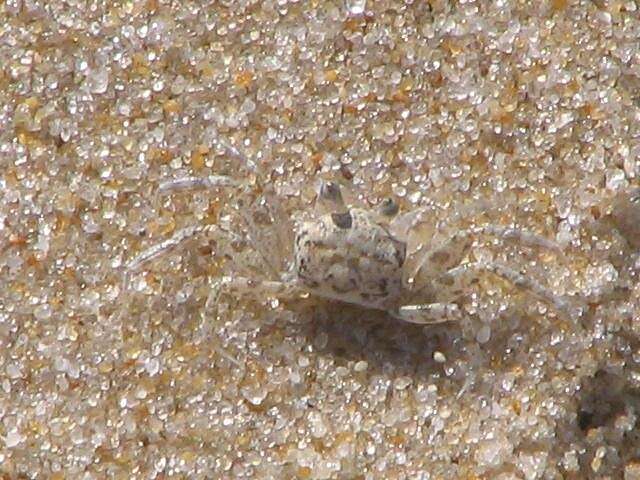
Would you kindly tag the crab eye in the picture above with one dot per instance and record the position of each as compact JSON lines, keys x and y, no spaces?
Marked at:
{"x":388,"y":207}
{"x":342,"y":220}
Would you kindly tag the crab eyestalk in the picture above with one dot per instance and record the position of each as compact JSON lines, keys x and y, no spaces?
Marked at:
{"x":329,"y":198}
{"x":388,"y":208}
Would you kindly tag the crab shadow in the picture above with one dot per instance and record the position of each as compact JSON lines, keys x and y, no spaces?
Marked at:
{"x":390,"y":347}
{"x":351,"y":334}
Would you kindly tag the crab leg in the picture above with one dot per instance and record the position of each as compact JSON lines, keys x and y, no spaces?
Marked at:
{"x":518,"y":279}
{"x":166,"y":246}
{"x":196,"y":183}
{"x":516,"y":234}
{"x":428,"y":314}
{"x":208,"y":182}
{"x":450,"y":252}
{"x":256,"y":288}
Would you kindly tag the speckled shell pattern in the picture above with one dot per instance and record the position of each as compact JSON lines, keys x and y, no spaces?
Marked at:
{"x":350,"y":257}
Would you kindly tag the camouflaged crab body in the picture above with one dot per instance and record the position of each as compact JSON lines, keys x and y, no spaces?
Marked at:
{"x":351,"y":257}
{"x":371,"y":258}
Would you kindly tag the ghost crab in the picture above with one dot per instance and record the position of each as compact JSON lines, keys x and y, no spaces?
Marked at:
{"x":360,"y":256}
